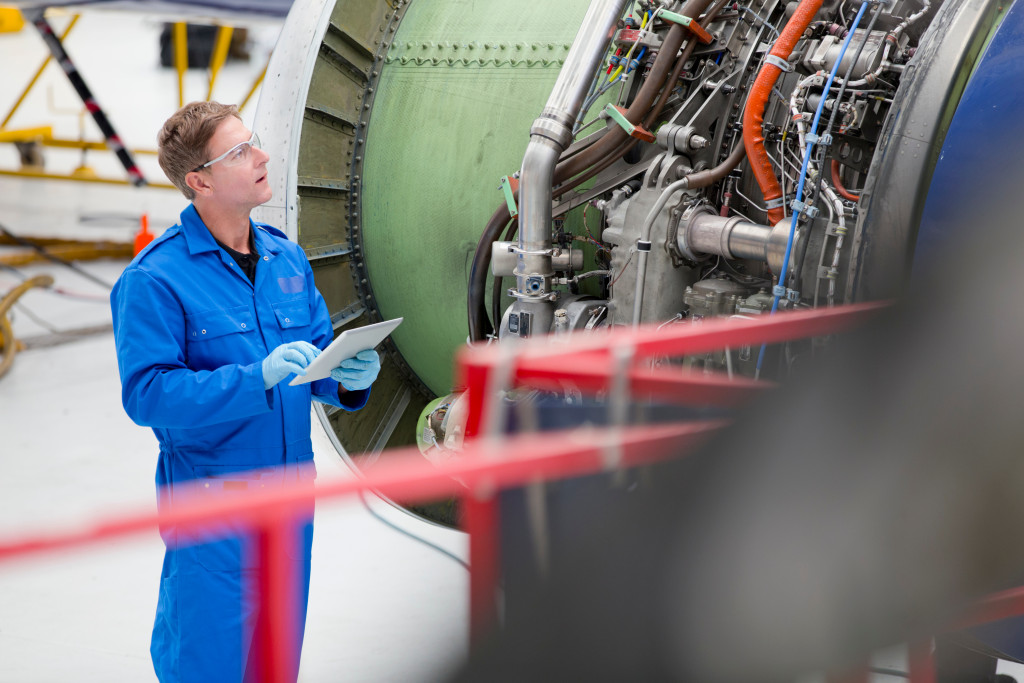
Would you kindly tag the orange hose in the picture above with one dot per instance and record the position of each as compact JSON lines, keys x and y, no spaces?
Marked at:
{"x":753,"y":115}
{"x":838,"y":183}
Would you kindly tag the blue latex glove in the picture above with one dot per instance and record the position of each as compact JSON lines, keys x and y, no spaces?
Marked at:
{"x":359,"y":371}
{"x":287,"y":359}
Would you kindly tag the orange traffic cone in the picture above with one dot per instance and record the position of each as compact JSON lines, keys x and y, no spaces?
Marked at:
{"x":143,"y":236}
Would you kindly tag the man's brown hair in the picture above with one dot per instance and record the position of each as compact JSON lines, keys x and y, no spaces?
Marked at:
{"x":183,"y":139}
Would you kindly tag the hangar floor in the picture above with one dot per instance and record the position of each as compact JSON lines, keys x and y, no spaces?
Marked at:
{"x":383,"y":606}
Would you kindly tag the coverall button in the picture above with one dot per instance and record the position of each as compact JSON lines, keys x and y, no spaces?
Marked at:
{"x":204,"y":331}
{"x":266,"y":258}
{"x":243,"y":326}
{"x":287,"y":320}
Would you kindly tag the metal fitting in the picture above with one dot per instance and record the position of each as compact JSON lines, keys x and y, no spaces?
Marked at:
{"x":504,"y":258}
{"x":553,"y":129}
{"x":681,"y":139}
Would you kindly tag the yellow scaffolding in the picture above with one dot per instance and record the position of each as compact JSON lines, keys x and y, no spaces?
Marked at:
{"x":43,"y":135}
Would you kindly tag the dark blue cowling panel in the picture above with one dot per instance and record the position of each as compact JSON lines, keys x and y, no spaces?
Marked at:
{"x":984,"y":142}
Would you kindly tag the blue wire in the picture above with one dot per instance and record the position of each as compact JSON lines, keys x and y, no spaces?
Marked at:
{"x":639,"y":56}
{"x":803,"y":168}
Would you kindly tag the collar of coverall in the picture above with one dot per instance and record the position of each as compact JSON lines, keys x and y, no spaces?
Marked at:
{"x":199,"y":238}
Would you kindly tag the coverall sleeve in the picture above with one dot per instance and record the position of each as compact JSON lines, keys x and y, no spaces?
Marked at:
{"x":157,"y":388}
{"x":326,"y":390}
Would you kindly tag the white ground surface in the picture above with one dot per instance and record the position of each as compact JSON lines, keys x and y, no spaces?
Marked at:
{"x":383,"y":607}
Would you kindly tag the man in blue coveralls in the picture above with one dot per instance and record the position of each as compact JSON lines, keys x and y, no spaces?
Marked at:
{"x":209,"y":320}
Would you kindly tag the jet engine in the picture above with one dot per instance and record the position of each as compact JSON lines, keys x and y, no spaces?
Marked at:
{"x":498,"y":170}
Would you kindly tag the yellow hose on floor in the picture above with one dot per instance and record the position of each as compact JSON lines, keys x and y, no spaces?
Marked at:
{"x":8,"y":344}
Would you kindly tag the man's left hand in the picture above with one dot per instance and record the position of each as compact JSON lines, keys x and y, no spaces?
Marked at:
{"x":359,"y":371}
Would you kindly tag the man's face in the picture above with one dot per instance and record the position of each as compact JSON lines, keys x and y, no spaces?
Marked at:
{"x":243,"y":184}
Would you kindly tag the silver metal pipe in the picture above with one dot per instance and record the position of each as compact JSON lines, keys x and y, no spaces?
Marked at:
{"x":734,"y":237}
{"x":549,"y":137}
{"x":536,"y":178}
{"x":638,"y":292}
{"x":584,"y":58}
{"x":747,"y":240}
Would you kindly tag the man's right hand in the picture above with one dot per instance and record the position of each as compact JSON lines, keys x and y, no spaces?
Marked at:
{"x":287,"y":359}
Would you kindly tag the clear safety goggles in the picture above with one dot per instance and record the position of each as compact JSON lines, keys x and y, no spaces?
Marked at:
{"x":238,"y":154}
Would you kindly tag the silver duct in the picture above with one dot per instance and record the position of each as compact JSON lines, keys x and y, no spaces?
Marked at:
{"x":550,"y":135}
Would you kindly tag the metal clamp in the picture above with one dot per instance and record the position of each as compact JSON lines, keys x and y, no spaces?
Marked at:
{"x":643,"y":245}
{"x":695,"y":28}
{"x":525,"y":296}
{"x":618,"y":115}
{"x":827,"y":273}
{"x":779,"y":62}
{"x":774,"y":203}
{"x":806,"y":209}
{"x":814,"y":139}
{"x":779,"y":291}
{"x":513,"y":249}
{"x":793,"y":295}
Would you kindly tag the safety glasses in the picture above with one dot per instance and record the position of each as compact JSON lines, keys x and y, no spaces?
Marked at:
{"x":238,"y":154}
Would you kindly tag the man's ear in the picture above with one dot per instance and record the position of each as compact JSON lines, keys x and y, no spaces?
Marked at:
{"x":199,"y":182}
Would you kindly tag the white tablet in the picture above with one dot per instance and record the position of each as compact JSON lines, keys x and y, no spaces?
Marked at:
{"x":346,"y":345}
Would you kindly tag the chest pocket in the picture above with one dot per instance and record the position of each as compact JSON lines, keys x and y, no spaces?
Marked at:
{"x":200,"y":327}
{"x":292,"y":314}
{"x":221,"y":337}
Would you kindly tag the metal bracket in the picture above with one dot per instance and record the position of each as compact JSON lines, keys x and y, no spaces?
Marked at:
{"x":617,"y":114}
{"x":695,"y":28}
{"x":510,"y":186}
{"x":813,"y":139}
{"x":779,"y":62}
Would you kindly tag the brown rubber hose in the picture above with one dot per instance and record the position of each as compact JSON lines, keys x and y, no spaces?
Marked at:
{"x":479,"y":327}
{"x":838,"y":183}
{"x":642,"y":103}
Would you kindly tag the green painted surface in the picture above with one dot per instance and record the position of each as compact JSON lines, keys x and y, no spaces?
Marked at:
{"x":462,"y":85}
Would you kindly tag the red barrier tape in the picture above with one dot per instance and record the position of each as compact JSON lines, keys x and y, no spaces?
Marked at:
{"x":678,"y":340}
{"x":403,"y":476}
{"x":486,"y":465}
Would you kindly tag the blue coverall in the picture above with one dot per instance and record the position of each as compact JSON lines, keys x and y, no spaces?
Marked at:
{"x":191,"y":333}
